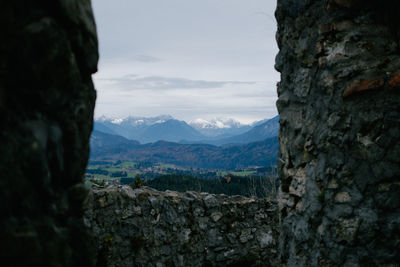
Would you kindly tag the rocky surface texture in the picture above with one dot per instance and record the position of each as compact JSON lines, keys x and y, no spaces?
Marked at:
{"x":339,"y":105}
{"x":47,"y":55}
{"x":145,"y":227}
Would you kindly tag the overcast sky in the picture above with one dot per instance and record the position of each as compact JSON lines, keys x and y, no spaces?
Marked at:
{"x":187,"y":58}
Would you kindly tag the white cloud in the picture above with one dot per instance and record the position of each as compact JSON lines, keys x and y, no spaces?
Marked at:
{"x":133,"y":82}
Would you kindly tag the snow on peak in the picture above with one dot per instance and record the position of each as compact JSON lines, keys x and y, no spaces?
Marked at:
{"x":104,"y":118}
{"x":139,"y":121}
{"x":217,"y":123}
{"x":117,"y":121}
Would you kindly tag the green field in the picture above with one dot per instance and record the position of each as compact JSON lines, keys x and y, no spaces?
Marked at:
{"x":128,"y":164}
{"x":235,"y":173}
{"x":112,"y":171}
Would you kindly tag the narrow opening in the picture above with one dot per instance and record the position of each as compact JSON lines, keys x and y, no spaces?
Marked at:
{"x":186,"y":96}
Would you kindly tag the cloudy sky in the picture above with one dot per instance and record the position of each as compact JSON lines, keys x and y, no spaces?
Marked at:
{"x":187,"y":58}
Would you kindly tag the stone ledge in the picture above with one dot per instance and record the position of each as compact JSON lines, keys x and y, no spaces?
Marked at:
{"x":146,"y":227}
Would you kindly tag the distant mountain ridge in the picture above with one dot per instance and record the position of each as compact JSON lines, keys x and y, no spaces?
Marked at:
{"x":111,"y":147}
{"x":219,"y":127}
{"x":166,"y":128}
{"x":146,"y":130}
{"x":170,"y":130}
{"x":100,"y":140}
{"x":267,"y":129}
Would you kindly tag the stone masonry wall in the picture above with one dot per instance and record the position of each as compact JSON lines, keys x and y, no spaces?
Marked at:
{"x":48,"y":51}
{"x":145,"y":227}
{"x":339,"y":105}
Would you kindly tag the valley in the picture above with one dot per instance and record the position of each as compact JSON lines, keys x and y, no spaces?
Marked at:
{"x":227,"y":157}
{"x":252,"y":181}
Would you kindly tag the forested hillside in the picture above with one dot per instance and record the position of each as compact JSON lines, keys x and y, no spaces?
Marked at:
{"x":111,"y":147}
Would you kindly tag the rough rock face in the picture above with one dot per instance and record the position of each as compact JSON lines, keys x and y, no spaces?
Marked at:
{"x":47,"y":55}
{"x":339,"y":105}
{"x":145,"y":227}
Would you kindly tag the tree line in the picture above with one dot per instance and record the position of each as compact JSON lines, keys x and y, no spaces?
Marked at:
{"x":257,"y":186}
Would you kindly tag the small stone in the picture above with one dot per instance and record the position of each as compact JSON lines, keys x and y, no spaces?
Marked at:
{"x":265,"y":240}
{"x":365,"y":140}
{"x":210,"y":201}
{"x":127,"y":191}
{"x":321,"y":229}
{"x":347,"y":229}
{"x":230,"y":253}
{"x":202,"y":225}
{"x":333,"y":184}
{"x":186,"y":235}
{"x":102,"y":202}
{"x":297,"y":187}
{"x":231,"y":238}
{"x":198,"y":212}
{"x":214,"y":238}
{"x":172,"y":194}
{"x":299,"y":206}
{"x":138,"y":210}
{"x":245,"y":235}
{"x":157,"y":219}
{"x":216,"y":216}
{"x":342,"y":197}
{"x":385,"y":187}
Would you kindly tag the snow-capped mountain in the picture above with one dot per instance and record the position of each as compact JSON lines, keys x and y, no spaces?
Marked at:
{"x":135,"y":121}
{"x":217,"y":123}
{"x":262,"y":130}
{"x":150,"y":129}
{"x":222,"y":127}
{"x":216,"y":131}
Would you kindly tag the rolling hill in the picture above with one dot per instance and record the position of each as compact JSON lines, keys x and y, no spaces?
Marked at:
{"x":111,"y":147}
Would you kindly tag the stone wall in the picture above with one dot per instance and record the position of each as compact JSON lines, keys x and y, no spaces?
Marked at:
{"x":145,"y":227}
{"x":48,"y":51}
{"x":339,"y":105}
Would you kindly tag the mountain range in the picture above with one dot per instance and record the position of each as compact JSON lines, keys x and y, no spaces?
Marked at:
{"x":261,"y":131}
{"x":202,"y":144}
{"x":219,"y":128}
{"x":166,"y":128}
{"x":113,"y":147}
